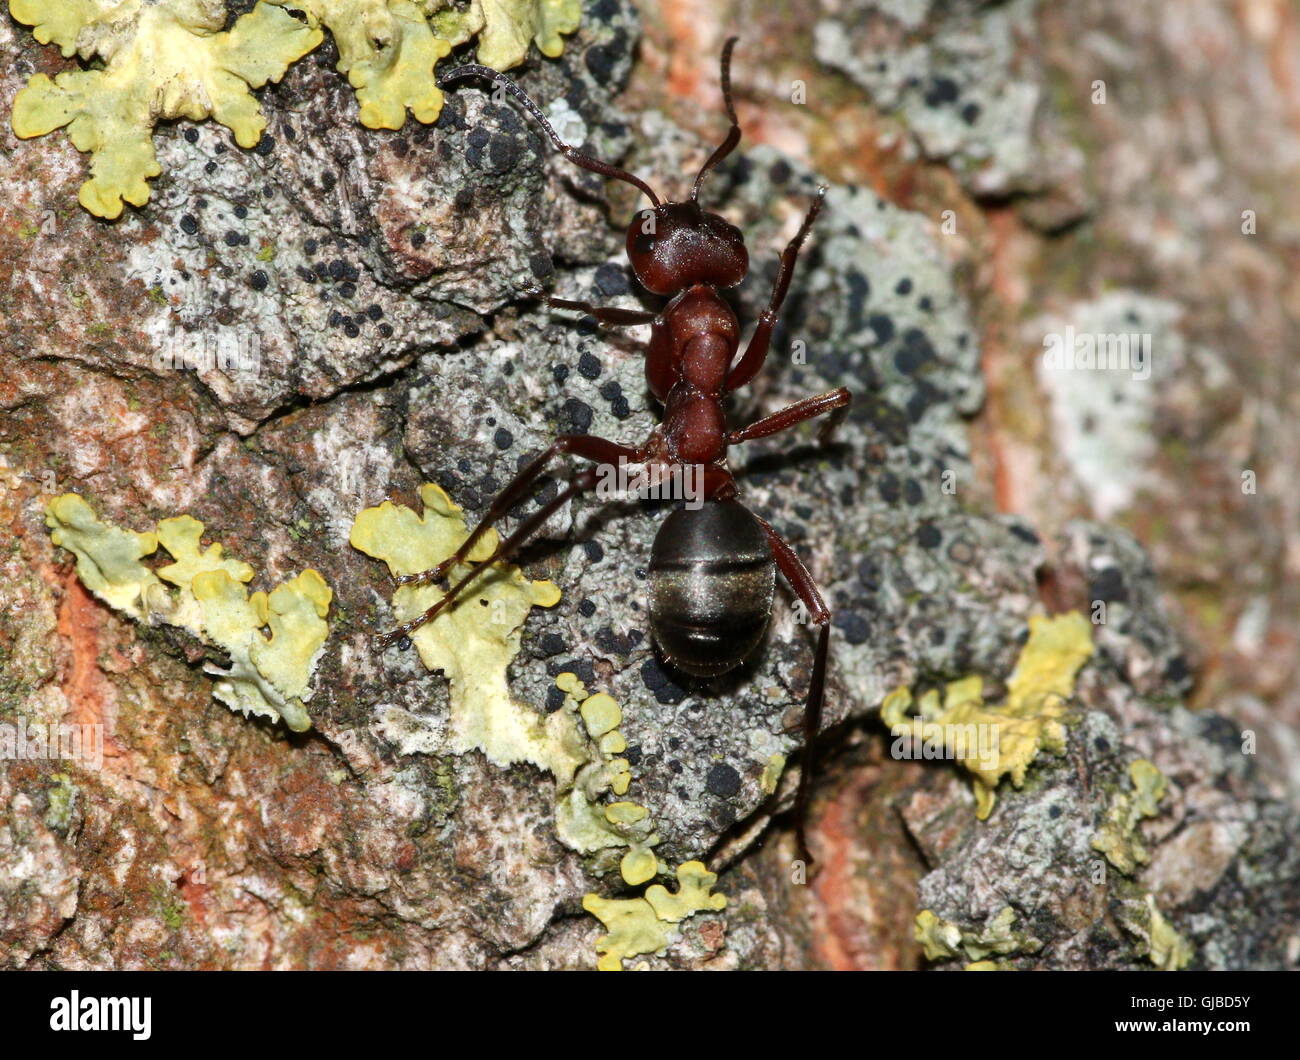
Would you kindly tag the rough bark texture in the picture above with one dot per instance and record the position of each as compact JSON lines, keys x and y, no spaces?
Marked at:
{"x":394,"y":350}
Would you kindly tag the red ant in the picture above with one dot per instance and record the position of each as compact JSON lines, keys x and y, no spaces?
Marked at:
{"x":712,"y":567}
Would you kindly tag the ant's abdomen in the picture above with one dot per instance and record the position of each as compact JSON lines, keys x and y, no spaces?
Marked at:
{"x":712,"y":578}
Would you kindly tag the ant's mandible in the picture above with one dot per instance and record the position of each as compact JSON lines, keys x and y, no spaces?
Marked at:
{"x":712,"y":567}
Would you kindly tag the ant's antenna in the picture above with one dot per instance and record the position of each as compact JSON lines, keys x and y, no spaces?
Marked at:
{"x":595,"y":165}
{"x":733,"y":134}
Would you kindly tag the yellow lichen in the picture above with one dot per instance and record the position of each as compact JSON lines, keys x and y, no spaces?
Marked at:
{"x":621,"y":776}
{"x":941,"y":939}
{"x":1118,"y":838}
{"x":640,"y":925}
{"x":581,"y":819}
{"x":601,"y":714}
{"x":473,"y":642}
{"x":993,"y":741}
{"x":1166,"y":949}
{"x":180,"y":536}
{"x":166,"y":59}
{"x":388,"y":51}
{"x":506,"y":27}
{"x":293,"y":614}
{"x":772,"y":771}
{"x":266,"y":675}
{"x":108,"y":558}
{"x":649,"y":924}
{"x":1158,"y":940}
{"x":625,"y":813}
{"x":162,"y":60}
{"x":571,"y":684}
{"x":938,"y":938}
{"x":638,"y":866}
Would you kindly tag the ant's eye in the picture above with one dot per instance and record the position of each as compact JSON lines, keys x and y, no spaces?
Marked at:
{"x":643,"y":244}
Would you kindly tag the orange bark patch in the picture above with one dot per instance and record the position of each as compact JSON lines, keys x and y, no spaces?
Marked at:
{"x":834,"y":883}
{"x":1004,"y":229}
{"x":84,"y":684}
{"x":684,"y":18}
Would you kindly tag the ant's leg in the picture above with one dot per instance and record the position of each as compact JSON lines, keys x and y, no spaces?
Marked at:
{"x":585,"y":446}
{"x":806,"y":589}
{"x":606,"y":315}
{"x":584,"y":480}
{"x":587,"y":162}
{"x":756,"y":352}
{"x":835,"y":402}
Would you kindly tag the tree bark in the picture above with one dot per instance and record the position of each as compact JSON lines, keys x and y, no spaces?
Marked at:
{"x":981,"y":199}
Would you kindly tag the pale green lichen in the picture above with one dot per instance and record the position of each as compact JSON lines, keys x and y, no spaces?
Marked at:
{"x":161,"y":60}
{"x":942,"y":939}
{"x":993,"y":741}
{"x":649,"y":924}
{"x":772,"y":770}
{"x":581,"y":813}
{"x":1158,"y":940}
{"x":61,"y":801}
{"x":167,"y":59}
{"x":108,"y":558}
{"x":506,"y":27}
{"x":473,"y":643}
{"x":1118,"y":838}
{"x":388,"y":51}
{"x":1166,"y":948}
{"x":268,"y":675}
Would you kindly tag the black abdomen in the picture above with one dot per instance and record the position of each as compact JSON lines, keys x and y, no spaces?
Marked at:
{"x":711,"y":582}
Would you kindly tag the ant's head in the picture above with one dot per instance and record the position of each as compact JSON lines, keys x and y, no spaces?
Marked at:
{"x":678,"y":244}
{"x":673,"y":245}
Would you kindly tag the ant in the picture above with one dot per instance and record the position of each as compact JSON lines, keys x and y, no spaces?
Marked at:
{"x":712,"y":566}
